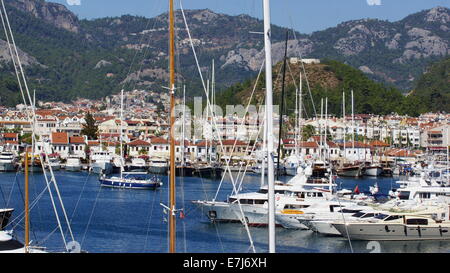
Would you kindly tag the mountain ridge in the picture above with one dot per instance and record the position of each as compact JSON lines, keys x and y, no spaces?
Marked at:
{"x":101,"y":55}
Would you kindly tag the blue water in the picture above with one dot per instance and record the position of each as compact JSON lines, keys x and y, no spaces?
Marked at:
{"x":132,"y":221}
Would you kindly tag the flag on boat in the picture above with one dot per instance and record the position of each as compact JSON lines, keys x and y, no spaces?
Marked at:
{"x":356,"y":190}
{"x":181,"y":214}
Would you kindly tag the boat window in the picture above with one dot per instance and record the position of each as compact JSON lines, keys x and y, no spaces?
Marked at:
{"x":279,"y":191}
{"x":368,"y":215}
{"x":417,"y":221}
{"x":349,"y":211}
{"x":393,"y":217}
{"x":262,"y":191}
{"x":358,"y":214}
{"x":381,"y":216}
{"x":403,"y":195}
{"x":260,"y":202}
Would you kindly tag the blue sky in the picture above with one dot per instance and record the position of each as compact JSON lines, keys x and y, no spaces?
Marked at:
{"x":305,"y":16}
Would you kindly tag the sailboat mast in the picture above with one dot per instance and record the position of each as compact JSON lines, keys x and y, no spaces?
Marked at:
{"x":345,"y":124}
{"x":269,"y":121}
{"x":172,"y":217}
{"x":121,"y":135}
{"x":27,"y":213}
{"x":282,"y":106}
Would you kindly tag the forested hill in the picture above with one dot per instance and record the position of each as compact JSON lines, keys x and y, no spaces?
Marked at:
{"x":66,"y":58}
{"x":331,"y":78}
{"x":432,"y":90}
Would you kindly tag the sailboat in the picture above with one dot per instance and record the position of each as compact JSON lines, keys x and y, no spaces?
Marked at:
{"x":128,"y":180}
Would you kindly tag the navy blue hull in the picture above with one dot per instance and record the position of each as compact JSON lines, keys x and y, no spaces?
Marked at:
{"x":129,"y":185}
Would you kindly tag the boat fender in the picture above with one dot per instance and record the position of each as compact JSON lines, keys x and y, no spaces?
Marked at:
{"x":405,"y":230}
{"x":420,"y":232}
{"x":440,"y":230}
{"x":386,"y":228}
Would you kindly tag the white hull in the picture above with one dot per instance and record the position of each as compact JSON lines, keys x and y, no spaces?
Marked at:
{"x":289,"y":221}
{"x":393,"y":232}
{"x":291,"y":171}
{"x":373,"y":171}
{"x":324,"y":228}
{"x":217,"y":211}
{"x":102,"y":167}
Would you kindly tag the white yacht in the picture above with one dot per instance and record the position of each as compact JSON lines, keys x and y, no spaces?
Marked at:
{"x":7,"y":162}
{"x":55,"y":163}
{"x":291,"y":164}
{"x":73,"y":164}
{"x":101,"y":162}
{"x":138,"y":165}
{"x":398,"y":227}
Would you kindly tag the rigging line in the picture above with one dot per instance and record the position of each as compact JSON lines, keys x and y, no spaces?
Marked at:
{"x":252,"y":150}
{"x":90,"y":216}
{"x":248,"y":106}
{"x":33,"y":110}
{"x":220,"y":139}
{"x":345,"y":224}
{"x":53,"y":201}
{"x":12,"y":57}
{"x":149,"y":217}
{"x":79,"y":198}
{"x":140,"y":42}
{"x":302,"y":64}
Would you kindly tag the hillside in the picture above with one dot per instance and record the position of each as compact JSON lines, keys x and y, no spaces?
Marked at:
{"x":432,"y":90}
{"x":69,"y":58}
{"x":328,"y":79}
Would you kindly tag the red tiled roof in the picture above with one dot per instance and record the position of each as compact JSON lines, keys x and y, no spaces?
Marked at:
{"x":139,"y":142}
{"x":77,"y":140}
{"x":60,"y":138}
{"x":159,"y":140}
{"x":10,"y":135}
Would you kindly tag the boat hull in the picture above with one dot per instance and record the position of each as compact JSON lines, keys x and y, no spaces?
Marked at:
{"x":5,"y":214}
{"x":393,"y":232}
{"x":129,"y":185}
{"x":73,"y":168}
{"x":7,"y":167}
{"x":217,"y":211}
{"x":158,"y":169}
{"x":373,"y":171}
{"x":102,"y":167}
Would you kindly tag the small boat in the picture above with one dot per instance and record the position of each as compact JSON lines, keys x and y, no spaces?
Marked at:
{"x":187,"y":171}
{"x":373,"y":170}
{"x":7,"y":162}
{"x":137,"y":165}
{"x":34,"y":164}
{"x":350,"y":171}
{"x":131,"y":180}
{"x":73,"y":164}
{"x":158,"y":166}
{"x":101,"y":162}
{"x":55,"y":163}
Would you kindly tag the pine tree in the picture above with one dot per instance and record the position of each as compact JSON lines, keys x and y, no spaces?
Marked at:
{"x":90,"y":129}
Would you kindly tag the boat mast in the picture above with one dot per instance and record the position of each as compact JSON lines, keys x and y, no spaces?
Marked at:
{"x":27,"y":213}
{"x":121,"y":135}
{"x":282,"y":106}
{"x":172,"y":217}
{"x":345,"y":124}
{"x":269,"y":121}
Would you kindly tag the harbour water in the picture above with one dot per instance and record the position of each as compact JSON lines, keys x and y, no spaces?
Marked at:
{"x":106,"y":220}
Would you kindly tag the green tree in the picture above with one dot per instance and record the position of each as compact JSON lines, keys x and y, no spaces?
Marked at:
{"x":307,"y":132}
{"x":90,"y":129}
